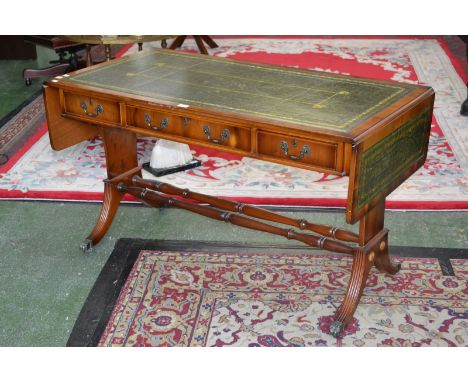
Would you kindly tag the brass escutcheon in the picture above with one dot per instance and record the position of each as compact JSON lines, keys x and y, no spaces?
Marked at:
{"x":382,"y":245}
{"x":305,"y":151}
{"x":225,"y":135}
{"x":98,"y":110}
{"x":163,"y":125}
{"x":371,"y":256}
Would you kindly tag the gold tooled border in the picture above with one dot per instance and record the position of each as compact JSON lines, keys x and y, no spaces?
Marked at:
{"x":402,"y":88}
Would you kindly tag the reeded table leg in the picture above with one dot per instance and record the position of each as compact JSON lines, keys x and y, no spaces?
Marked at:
{"x":359,"y":272}
{"x":373,"y":240}
{"x":121,"y":156}
{"x":110,"y":204}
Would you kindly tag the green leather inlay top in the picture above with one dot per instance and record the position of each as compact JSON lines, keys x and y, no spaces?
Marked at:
{"x":309,"y":98}
{"x":386,"y":161}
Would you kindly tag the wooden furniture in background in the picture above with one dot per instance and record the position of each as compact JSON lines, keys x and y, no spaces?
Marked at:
{"x":15,"y":48}
{"x":62,"y":47}
{"x":108,"y":40}
{"x":374,"y":132}
{"x":177,"y":43}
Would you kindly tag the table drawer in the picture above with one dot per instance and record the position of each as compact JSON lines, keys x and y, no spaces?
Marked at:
{"x":217,"y":133}
{"x":318,"y":154}
{"x":91,"y":108}
{"x":197,"y":130}
{"x":154,"y":120}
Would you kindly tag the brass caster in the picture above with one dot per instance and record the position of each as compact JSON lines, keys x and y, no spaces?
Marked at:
{"x":86,"y":246}
{"x":398,"y":265}
{"x":335,"y":328}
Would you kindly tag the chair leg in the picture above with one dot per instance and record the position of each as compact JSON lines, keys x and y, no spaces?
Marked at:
{"x":89,"y":59}
{"x":51,"y":71}
{"x":73,"y":61}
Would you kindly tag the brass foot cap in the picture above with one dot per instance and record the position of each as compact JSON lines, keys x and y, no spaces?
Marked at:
{"x":86,"y":246}
{"x":335,"y":328}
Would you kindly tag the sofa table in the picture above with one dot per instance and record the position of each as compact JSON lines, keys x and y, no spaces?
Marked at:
{"x":374,"y":132}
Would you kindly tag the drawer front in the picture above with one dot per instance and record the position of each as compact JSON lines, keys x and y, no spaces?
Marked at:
{"x":91,"y":108}
{"x":153,"y":120}
{"x":216,"y":133}
{"x":297,"y":150}
{"x":194,"y":129}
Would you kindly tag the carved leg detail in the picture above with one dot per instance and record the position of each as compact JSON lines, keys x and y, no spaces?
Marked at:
{"x":121,"y":156}
{"x":382,"y":260}
{"x":359,"y":272}
{"x":111,"y":202}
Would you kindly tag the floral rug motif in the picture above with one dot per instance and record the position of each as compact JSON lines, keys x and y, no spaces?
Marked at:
{"x":233,"y":299}
{"x":77,"y":172}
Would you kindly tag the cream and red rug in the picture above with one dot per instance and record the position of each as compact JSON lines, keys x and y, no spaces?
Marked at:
{"x":76,"y":173}
{"x":224,"y":296}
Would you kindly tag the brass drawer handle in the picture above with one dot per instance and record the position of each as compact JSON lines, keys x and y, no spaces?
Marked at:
{"x":98,"y":110}
{"x":225,"y":135}
{"x":163,"y":125}
{"x":305,"y":151}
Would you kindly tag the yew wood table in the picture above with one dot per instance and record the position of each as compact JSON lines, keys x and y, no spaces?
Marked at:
{"x":374,"y":132}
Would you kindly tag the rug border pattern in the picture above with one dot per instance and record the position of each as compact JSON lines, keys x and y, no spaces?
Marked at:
{"x":98,"y":307}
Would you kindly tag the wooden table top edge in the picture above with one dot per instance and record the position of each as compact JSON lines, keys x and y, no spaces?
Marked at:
{"x":349,"y":136}
{"x":354,"y":136}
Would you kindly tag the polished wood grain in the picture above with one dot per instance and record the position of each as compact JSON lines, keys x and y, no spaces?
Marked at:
{"x":320,"y":155}
{"x":368,"y":140}
{"x":121,"y":156}
{"x":151,"y":197}
{"x":373,"y":240}
{"x":246,"y":209}
{"x":63,"y":132}
{"x":83,"y":106}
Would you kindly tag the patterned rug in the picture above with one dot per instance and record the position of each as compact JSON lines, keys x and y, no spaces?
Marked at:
{"x":77,"y":172}
{"x":187,"y":294}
